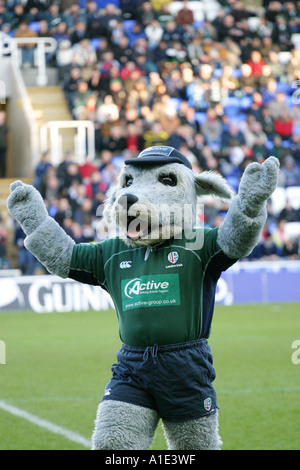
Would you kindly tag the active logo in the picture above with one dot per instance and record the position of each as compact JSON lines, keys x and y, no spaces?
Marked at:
{"x":150,"y":291}
{"x":125,"y":264}
{"x":173,"y":257}
{"x":135,"y":286}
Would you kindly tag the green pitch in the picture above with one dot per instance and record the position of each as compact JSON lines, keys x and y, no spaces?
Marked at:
{"x":58,"y":365}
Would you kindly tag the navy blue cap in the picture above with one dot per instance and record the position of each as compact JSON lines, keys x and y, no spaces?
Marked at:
{"x":159,"y":155}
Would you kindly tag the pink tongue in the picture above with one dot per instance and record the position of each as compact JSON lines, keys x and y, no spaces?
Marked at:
{"x":136,"y":228}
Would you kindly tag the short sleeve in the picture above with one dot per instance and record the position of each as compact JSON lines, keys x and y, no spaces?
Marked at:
{"x":87,"y":264}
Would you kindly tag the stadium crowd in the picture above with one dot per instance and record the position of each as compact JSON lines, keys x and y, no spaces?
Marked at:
{"x":224,"y":92}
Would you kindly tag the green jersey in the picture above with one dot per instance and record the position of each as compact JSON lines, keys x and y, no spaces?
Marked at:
{"x":163,"y":294}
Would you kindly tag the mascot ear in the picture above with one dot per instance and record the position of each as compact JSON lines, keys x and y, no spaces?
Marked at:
{"x":210,"y":183}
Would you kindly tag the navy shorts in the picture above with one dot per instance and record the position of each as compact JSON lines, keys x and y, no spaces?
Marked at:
{"x":175,"y":380}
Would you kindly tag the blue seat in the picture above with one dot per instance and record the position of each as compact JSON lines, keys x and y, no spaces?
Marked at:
{"x":200,"y":117}
{"x":232,"y":101}
{"x":128,"y":25}
{"x":285,"y":88}
{"x":231,"y":111}
{"x":198,"y":24}
{"x":175,"y":103}
{"x":296,"y":130}
{"x":246,"y":102}
{"x":217,"y":73}
{"x":100,"y":3}
{"x":95,"y":43}
{"x":290,"y":101}
{"x":236,"y":73}
{"x":35,"y":26}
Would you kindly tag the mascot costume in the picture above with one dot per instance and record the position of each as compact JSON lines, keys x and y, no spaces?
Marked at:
{"x":163,"y":287}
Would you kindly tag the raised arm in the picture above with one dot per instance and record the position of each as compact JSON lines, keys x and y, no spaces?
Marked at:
{"x":247,"y":214}
{"x":45,"y":239}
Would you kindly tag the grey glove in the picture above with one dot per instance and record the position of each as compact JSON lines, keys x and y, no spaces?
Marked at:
{"x":45,"y":239}
{"x":257,"y":185}
{"x":26,"y":206}
{"x":241,"y":230}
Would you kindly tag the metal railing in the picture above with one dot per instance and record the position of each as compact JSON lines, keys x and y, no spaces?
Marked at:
{"x":84,"y":139}
{"x":10,"y":47}
{"x":49,"y":136}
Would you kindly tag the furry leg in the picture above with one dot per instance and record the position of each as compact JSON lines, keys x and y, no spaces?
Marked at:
{"x":123,"y":426}
{"x":198,"y":434}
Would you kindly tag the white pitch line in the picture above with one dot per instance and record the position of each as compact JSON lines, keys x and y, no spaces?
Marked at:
{"x":43,"y":423}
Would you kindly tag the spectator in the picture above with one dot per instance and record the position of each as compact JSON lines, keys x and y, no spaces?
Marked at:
{"x":283,"y":125}
{"x":282,"y":33}
{"x":94,"y":19}
{"x":278,"y":105}
{"x":84,"y":54}
{"x":64,"y":58}
{"x":290,"y":172}
{"x":95,"y":186}
{"x":218,"y":92}
{"x":79,"y":32}
{"x":107,"y":111}
{"x":269,"y":250}
{"x":63,"y":211}
{"x":3,"y":143}
{"x":154,"y":33}
{"x":289,"y":213}
{"x":3,"y":238}
{"x":290,"y":250}
{"x":86,"y":170}
{"x":26,"y":261}
{"x":42,"y":168}
{"x":23,"y":32}
{"x":212,"y":128}
{"x":53,"y":16}
{"x":256,"y":63}
{"x":185,"y":16}
{"x":279,"y":236}
{"x":79,"y":99}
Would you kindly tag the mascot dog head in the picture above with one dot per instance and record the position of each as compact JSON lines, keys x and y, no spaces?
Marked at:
{"x":156,"y":195}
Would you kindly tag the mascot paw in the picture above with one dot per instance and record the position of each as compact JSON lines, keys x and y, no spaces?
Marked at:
{"x":26,"y":206}
{"x":257,"y":185}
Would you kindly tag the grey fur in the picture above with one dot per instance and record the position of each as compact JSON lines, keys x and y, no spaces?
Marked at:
{"x":46,"y":240}
{"x":257,"y":185}
{"x":26,"y":206}
{"x":239,"y":234}
{"x":198,"y":434}
{"x":120,"y":425}
{"x":123,"y":426}
{"x":210,"y":183}
{"x":151,"y":193}
{"x":243,"y":224}
{"x":50,"y":244}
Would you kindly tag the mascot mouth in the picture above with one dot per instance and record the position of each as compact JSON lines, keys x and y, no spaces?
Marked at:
{"x":138,"y":228}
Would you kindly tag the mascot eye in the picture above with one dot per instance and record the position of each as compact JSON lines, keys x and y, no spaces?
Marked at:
{"x":168,"y":180}
{"x":128,"y":182}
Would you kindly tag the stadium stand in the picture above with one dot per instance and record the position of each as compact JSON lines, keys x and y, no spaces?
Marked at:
{"x":217,"y":80}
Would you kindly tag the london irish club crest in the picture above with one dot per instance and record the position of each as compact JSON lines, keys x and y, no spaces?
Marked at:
{"x":207,"y":404}
{"x":173,"y":257}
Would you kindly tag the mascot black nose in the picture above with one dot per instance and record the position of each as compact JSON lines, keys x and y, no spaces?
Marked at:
{"x":127,"y":200}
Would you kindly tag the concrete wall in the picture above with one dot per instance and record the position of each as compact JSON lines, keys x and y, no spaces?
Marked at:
{"x":24,"y":151}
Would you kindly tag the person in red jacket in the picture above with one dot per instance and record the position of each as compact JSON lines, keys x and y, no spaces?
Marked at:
{"x":256,"y":63}
{"x":96,"y":185}
{"x":283,"y":125}
{"x":185,"y":15}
